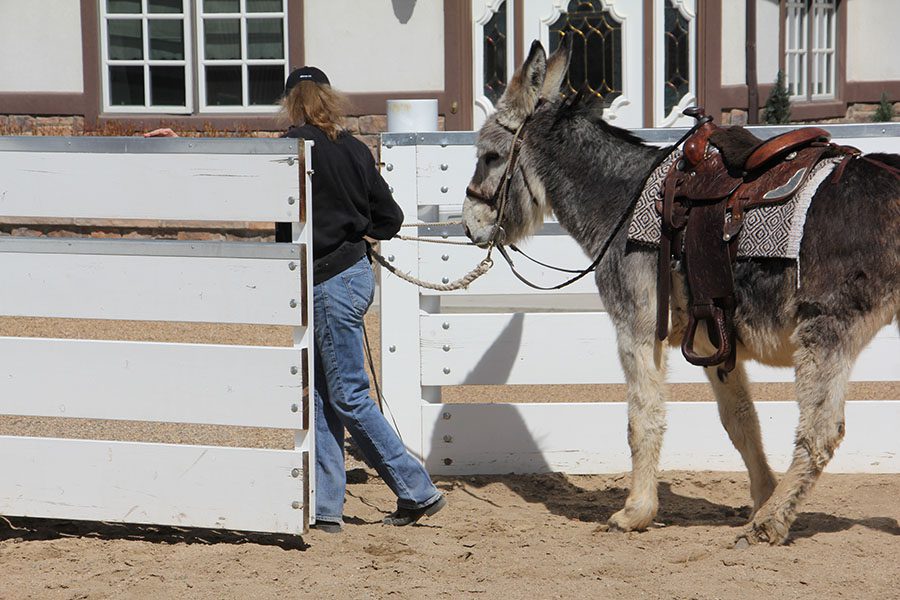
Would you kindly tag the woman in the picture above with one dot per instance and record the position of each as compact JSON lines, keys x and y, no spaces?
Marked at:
{"x":352,"y":204}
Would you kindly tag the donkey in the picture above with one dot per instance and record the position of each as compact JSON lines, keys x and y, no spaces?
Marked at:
{"x":569,"y":162}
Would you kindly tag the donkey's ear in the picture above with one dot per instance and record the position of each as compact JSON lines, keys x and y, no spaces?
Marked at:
{"x":557,"y":67}
{"x":523,"y":91}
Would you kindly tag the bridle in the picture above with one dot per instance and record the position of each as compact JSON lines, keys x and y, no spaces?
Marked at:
{"x":500,"y":195}
{"x":499,"y":198}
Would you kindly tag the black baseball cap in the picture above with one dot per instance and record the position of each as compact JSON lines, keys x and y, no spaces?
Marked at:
{"x":305,"y":74}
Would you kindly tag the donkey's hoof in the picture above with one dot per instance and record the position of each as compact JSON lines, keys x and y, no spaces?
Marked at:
{"x":742,"y":543}
{"x":627,"y":520}
{"x":764,"y":531}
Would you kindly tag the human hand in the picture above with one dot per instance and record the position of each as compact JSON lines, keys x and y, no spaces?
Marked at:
{"x":161,"y":132}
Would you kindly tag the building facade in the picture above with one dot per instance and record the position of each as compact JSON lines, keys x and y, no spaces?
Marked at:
{"x":69,"y":66}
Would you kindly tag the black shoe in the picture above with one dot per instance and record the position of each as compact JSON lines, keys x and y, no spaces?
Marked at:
{"x":408,"y":516}
{"x":328,"y":526}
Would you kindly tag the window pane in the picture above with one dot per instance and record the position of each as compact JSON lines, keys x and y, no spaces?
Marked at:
{"x":266,"y":83}
{"x":166,"y":39}
{"x":265,"y":38}
{"x":223,"y":86}
{"x":221,"y":6}
{"x":119,"y":7}
{"x":596,"y":48}
{"x":126,"y":40}
{"x":126,"y":86}
{"x":264,"y":6}
{"x":495,"y":55}
{"x":167,"y":86}
{"x":222,"y":38}
{"x":165,"y":6}
{"x":677,"y":65}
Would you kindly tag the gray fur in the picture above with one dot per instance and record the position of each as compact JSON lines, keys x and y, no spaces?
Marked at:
{"x":588,"y":173}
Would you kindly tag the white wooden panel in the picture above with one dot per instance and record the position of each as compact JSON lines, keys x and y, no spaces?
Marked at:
{"x":152,"y":288}
{"x":577,"y":348}
{"x":143,"y":381}
{"x":442,"y":174}
{"x":557,"y":250}
{"x":591,"y":438}
{"x":400,"y":304}
{"x":213,"y":187}
{"x":192,"y":486}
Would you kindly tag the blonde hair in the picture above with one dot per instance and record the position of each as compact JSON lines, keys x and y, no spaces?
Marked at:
{"x":310,"y":103}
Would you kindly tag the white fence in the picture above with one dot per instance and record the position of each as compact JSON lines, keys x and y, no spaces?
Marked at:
{"x":501,"y":332}
{"x":251,"y":489}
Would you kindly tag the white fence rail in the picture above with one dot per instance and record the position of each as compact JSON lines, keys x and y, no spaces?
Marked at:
{"x":501,"y":332}
{"x":251,"y":489}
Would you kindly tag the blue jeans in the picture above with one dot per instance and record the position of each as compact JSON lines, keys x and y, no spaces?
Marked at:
{"x":342,"y":400}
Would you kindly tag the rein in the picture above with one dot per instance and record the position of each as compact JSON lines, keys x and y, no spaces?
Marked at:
{"x":606,"y":244}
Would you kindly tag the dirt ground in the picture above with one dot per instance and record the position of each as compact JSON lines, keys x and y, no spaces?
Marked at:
{"x":509,"y":536}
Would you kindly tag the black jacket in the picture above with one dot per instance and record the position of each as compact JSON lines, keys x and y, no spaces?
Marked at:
{"x":350,"y":199}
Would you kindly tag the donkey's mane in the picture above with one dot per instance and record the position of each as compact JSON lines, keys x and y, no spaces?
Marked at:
{"x":590,"y":107}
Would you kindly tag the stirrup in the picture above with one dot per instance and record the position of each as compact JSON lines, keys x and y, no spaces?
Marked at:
{"x":710,"y":314}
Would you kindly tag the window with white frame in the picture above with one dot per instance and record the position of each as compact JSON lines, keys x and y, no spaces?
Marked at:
{"x":148,"y":48}
{"x":810,"y":49}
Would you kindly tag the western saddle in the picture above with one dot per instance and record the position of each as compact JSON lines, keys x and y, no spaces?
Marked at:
{"x":723,"y":171}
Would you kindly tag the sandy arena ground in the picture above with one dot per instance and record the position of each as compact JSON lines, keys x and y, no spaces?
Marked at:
{"x":511,"y":536}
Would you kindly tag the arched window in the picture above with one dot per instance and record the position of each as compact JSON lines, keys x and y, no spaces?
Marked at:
{"x":494,"y":42}
{"x":677,"y":56}
{"x":596,"y":48}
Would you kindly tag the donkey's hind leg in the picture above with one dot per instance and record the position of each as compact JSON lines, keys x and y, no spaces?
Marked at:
{"x":827,"y":347}
{"x":738,"y":416}
{"x":643,"y":360}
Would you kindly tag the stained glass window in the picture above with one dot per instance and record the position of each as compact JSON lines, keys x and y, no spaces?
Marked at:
{"x":596,"y":49}
{"x":677,"y":73}
{"x":495,"y":55}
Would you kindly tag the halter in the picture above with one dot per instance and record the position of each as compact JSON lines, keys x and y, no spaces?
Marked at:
{"x":500,"y":195}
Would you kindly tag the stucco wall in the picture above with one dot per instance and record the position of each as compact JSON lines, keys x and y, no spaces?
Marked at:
{"x":377,"y":46}
{"x":734,"y":13}
{"x":873,"y":43}
{"x":40,"y":46}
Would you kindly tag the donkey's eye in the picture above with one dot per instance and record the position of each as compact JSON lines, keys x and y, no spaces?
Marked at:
{"x":490,"y":158}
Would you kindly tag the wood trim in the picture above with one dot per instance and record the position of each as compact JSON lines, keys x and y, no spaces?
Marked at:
{"x":813,"y":111}
{"x":709,"y":57}
{"x":296,"y":34}
{"x":458,"y":97}
{"x":90,"y":59}
{"x":375,"y":103}
{"x":649,"y":78}
{"x":519,"y":33}
{"x":870,"y":91}
{"x":42,"y":103}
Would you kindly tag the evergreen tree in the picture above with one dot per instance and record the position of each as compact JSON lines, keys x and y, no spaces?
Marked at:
{"x":885,"y":111}
{"x":778,"y":105}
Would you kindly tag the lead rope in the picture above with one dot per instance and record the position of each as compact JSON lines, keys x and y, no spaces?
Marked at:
{"x":485,"y":265}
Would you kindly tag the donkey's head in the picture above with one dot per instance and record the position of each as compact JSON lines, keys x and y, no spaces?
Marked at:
{"x":506,"y":200}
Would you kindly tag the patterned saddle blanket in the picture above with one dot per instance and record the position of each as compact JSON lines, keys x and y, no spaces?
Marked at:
{"x":773,"y":231}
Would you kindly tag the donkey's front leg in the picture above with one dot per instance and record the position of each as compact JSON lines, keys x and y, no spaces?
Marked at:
{"x":643,"y":360}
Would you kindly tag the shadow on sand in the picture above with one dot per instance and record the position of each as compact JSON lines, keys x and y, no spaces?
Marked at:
{"x":34,"y":529}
